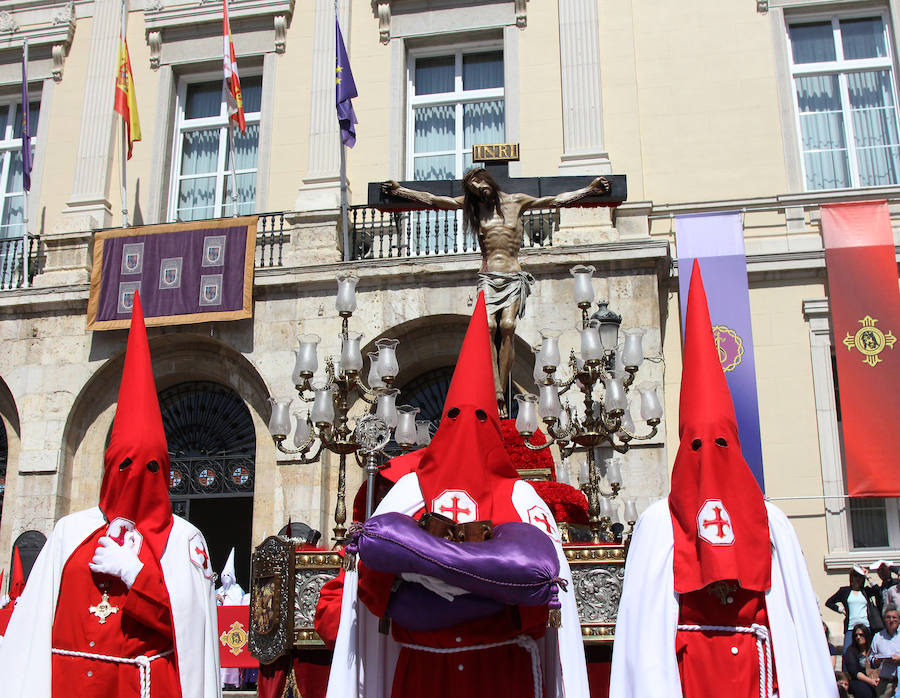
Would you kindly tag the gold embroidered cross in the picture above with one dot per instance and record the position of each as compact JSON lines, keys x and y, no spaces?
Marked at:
{"x":103,"y":609}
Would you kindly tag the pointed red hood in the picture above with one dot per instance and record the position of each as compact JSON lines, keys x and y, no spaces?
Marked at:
{"x":136,"y":476}
{"x":718,"y":514}
{"x":465,"y":472}
{"x":17,"y":580}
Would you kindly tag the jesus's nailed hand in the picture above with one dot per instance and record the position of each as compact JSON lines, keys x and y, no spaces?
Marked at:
{"x":118,"y":560}
{"x":601,"y":185}
{"x":389,"y":187}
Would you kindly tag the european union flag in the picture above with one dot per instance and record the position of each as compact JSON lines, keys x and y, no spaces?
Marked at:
{"x":345,"y":90}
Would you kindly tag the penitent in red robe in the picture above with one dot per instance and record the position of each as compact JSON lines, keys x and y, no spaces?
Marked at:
{"x":141,"y":626}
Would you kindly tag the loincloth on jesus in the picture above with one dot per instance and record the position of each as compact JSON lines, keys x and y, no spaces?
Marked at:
{"x":502,"y":289}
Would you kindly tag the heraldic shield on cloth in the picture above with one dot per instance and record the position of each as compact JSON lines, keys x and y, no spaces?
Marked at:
{"x":439,"y":558}
{"x":716,"y":596}
{"x":120,"y":600}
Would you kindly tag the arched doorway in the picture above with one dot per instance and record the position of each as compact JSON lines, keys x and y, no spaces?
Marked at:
{"x":212,"y":445}
{"x":29,"y":544}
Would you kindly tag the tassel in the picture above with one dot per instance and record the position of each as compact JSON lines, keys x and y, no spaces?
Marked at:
{"x":384,"y":625}
{"x":555,"y":619}
{"x":349,"y":561}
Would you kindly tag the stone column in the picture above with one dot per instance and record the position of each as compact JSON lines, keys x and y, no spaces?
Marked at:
{"x":89,"y":205}
{"x":582,"y":103}
{"x":321,"y":187}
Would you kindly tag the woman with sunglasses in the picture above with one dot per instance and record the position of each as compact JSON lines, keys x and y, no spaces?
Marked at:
{"x":861,"y":685}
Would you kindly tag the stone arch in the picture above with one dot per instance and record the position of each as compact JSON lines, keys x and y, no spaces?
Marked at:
{"x":177,"y":358}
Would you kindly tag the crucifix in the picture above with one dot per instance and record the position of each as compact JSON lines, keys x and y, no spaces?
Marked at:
{"x":496,"y":217}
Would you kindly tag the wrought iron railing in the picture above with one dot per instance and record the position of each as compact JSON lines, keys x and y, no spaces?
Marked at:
{"x":12,"y":268}
{"x":212,"y":475}
{"x":378,"y":234}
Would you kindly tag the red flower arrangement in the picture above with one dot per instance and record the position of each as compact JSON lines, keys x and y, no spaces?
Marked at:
{"x":566,"y":503}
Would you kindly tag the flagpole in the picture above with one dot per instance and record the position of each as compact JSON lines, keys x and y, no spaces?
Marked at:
{"x":25,"y":211}
{"x":124,"y":139}
{"x":345,"y":217}
{"x":234,"y":196}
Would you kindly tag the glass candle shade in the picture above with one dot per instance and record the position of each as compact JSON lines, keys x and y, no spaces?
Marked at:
{"x":615,"y":394}
{"x":651,"y":408}
{"x":626,"y":425}
{"x":630,"y":511}
{"x":351,"y":356}
{"x":609,"y":325}
{"x":591,"y":346}
{"x":538,"y":372}
{"x":614,"y":472}
{"x":527,"y":419}
{"x":633,"y":351}
{"x":584,"y":288}
{"x":386,"y":408}
{"x":323,"y":404}
{"x":280,"y":421}
{"x":423,"y":432}
{"x":307,"y":362}
{"x":346,"y":294}
{"x":548,"y":402}
{"x":405,"y":432}
{"x":387,"y":358}
{"x":374,"y":379}
{"x":549,"y":353}
{"x":301,"y":433}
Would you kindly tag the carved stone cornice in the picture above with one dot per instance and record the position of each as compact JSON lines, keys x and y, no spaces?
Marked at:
{"x":42,"y":24}
{"x":161,"y":15}
{"x":382,"y":10}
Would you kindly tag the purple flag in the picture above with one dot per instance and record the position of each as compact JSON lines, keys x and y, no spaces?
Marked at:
{"x":345,"y":90}
{"x":717,"y":240}
{"x":26,"y":123}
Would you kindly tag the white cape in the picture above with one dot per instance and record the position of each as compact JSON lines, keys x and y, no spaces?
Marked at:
{"x":364,"y":659}
{"x":644,"y":663}
{"x":25,"y":659}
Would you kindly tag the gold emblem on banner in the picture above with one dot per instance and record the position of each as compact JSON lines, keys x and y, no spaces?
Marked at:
{"x":870,"y":340}
{"x":730,"y":347}
{"x":234,"y":638}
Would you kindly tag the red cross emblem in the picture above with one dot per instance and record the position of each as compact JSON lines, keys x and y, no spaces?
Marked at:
{"x":457,"y":505}
{"x":538,"y":516}
{"x":202,"y":553}
{"x":199,"y":556}
{"x":714,"y":523}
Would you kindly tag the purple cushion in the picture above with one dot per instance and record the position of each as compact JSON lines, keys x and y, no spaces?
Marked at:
{"x":416,"y":608}
{"x":517,"y":566}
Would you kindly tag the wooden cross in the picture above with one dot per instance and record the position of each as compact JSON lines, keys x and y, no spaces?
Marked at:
{"x":495,"y":159}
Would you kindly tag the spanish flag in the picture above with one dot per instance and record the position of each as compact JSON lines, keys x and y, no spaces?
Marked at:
{"x":126,"y":99}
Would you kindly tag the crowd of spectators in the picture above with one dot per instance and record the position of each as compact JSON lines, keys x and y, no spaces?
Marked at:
{"x":871,"y":647}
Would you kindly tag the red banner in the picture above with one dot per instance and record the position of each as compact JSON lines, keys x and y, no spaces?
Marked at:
{"x":864,"y":298}
{"x":234,"y":626}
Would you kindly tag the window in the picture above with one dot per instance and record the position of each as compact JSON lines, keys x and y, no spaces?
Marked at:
{"x":202,"y":169}
{"x":12,"y":191}
{"x":456,"y":100}
{"x":845,"y":101}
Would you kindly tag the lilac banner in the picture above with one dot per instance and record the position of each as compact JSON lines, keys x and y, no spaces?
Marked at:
{"x":717,"y":240}
{"x":186,"y":272}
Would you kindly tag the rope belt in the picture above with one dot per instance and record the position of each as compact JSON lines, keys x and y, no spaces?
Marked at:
{"x":142,"y":663}
{"x":526,"y":642}
{"x":763,"y":649}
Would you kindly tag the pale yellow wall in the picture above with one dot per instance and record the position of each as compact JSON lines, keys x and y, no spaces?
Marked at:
{"x":540,"y":100}
{"x":290,"y":129}
{"x":706,"y":90}
{"x":65,"y":126}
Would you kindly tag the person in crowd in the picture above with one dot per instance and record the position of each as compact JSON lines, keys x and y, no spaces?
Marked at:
{"x":886,"y":652}
{"x":842,"y":679}
{"x":121,"y":593}
{"x":852,"y":601}
{"x":835,"y":651}
{"x":861,"y":685}
{"x":230,"y":593}
{"x":888,"y":581}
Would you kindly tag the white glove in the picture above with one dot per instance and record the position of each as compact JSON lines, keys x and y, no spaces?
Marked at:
{"x":435,"y":585}
{"x":4,"y":601}
{"x":118,"y":560}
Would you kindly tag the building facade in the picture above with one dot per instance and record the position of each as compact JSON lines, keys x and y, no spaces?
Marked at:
{"x":768,"y":108}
